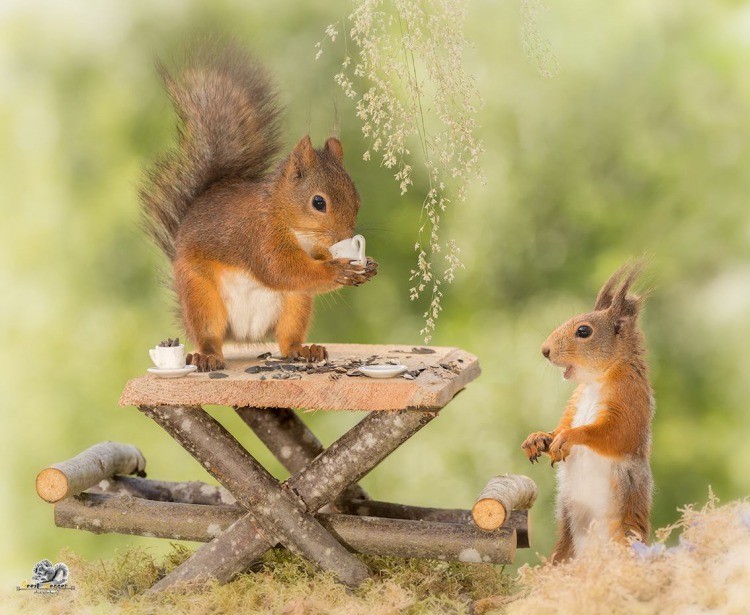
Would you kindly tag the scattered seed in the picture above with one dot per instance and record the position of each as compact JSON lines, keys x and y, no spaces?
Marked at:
{"x":265,"y":355}
{"x":253,"y":369}
{"x":263,"y":378}
{"x":407,"y":376}
{"x":215,"y":375}
{"x":422,"y":350}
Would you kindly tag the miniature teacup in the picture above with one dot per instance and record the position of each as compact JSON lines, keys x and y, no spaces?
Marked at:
{"x":353,"y":249}
{"x":168,"y":357}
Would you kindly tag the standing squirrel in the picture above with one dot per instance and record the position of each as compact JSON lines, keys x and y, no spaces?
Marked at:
{"x":248,"y":241}
{"x":604,"y":436}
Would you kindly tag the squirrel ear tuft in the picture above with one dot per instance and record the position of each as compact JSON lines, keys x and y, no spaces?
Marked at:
{"x":607,"y":293}
{"x":333,"y":145}
{"x":302,"y":158}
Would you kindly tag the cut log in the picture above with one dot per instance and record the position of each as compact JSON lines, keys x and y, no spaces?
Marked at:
{"x":103,"y":460}
{"x":422,"y":539}
{"x":501,"y":495}
{"x":518,"y":520}
{"x":463,"y":542}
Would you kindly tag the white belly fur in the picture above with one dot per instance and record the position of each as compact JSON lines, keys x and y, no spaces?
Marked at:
{"x":252,"y":309}
{"x":585,"y":479}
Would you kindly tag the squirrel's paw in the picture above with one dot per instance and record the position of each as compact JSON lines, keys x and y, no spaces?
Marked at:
{"x":205,"y":362}
{"x":536,"y":444}
{"x":560,"y":447}
{"x":312,"y":353}
{"x":346,"y":274}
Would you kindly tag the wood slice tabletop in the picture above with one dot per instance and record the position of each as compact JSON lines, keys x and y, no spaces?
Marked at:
{"x":257,"y":377}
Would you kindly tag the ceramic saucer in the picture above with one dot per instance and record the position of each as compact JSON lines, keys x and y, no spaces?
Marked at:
{"x":172,"y":373}
{"x":382,"y":371}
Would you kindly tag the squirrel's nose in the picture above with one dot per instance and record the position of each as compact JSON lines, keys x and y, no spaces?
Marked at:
{"x":545,"y":351}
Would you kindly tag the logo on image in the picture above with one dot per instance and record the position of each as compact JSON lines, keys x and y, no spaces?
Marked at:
{"x":48,"y":578}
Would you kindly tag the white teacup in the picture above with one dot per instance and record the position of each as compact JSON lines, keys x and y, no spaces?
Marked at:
{"x":168,"y":357}
{"x":352,"y":248}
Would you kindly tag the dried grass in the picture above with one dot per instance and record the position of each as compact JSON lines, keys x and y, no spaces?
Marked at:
{"x":707,"y":570}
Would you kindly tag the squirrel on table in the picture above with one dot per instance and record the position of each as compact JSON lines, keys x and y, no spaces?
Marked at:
{"x":248,"y":240}
{"x":604,"y":437}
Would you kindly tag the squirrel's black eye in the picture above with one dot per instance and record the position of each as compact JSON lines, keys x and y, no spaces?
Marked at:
{"x":319,"y":203}
{"x":584,"y":331}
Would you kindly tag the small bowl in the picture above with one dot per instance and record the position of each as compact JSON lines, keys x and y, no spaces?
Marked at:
{"x":382,"y":371}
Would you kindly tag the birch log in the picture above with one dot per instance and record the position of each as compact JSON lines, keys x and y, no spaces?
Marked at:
{"x":501,"y":495}
{"x":408,"y":538}
{"x":69,"y":478}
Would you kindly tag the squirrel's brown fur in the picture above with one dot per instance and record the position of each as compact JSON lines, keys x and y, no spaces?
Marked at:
{"x":248,"y":249}
{"x":604,"y":436}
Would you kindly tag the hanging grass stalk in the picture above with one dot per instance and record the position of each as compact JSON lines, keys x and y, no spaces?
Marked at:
{"x":407,"y":57}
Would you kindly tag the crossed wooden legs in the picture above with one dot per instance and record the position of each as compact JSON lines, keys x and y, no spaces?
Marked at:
{"x":281,"y":514}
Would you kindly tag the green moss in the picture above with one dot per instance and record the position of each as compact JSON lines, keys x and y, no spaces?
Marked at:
{"x":281,"y":583}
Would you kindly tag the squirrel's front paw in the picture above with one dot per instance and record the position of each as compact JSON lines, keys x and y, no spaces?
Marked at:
{"x":536,"y":444}
{"x":560,"y":447}
{"x":205,"y":362}
{"x":312,"y":353}
{"x":346,"y":274}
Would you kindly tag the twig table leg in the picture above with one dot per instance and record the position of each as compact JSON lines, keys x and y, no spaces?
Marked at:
{"x":291,"y":442}
{"x":275,"y":512}
{"x":346,"y":461}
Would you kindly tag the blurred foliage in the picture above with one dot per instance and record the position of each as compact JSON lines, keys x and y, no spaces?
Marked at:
{"x":637,"y":145}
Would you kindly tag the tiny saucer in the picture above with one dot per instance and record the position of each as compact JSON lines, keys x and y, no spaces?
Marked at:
{"x":382,"y":371}
{"x":172,"y":373}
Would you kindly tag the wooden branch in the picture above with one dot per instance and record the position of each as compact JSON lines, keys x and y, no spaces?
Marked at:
{"x":68,"y":478}
{"x":123,"y":514}
{"x":389,"y":537}
{"x":193,"y":492}
{"x":501,"y":495}
{"x":292,"y":443}
{"x":354,"y":454}
{"x":422,"y":539}
{"x":346,"y":461}
{"x":275,"y":511}
{"x":518,"y":519}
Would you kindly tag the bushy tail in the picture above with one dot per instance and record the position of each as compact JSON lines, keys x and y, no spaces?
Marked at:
{"x":228,"y":126}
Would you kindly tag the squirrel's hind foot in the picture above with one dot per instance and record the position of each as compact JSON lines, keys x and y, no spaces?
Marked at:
{"x":312,"y":353}
{"x":205,"y":362}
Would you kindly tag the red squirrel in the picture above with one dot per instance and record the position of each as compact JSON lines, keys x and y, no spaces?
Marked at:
{"x":248,"y":240}
{"x":604,"y":437}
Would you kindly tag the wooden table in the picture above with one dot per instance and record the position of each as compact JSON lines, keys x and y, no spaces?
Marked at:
{"x":319,"y":512}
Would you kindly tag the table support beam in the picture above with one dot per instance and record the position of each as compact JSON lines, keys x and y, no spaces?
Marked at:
{"x":291,"y":442}
{"x":345,"y":462}
{"x":276,"y":514}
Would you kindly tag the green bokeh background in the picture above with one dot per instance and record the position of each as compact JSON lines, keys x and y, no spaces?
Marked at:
{"x":637,"y":145}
